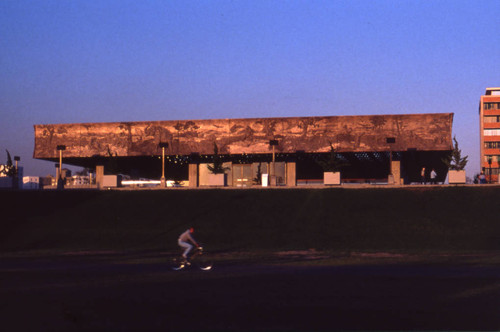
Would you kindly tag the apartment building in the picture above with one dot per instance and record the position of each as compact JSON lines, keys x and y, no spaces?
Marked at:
{"x":489,"y":125}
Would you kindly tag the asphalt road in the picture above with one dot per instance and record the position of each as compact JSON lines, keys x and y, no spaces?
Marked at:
{"x":141,"y":293}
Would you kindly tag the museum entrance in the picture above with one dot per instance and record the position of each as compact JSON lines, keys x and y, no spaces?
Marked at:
{"x":246,"y":175}
{"x":242,"y":175}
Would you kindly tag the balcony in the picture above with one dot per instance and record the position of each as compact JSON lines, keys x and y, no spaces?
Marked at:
{"x":491,"y":125}
{"x":491,"y":112}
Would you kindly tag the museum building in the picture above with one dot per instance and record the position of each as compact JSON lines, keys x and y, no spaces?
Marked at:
{"x":288,"y":151}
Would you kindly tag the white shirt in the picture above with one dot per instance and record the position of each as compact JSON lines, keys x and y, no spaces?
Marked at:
{"x":186,"y":236}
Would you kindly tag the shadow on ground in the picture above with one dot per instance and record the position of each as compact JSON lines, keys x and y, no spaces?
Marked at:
{"x":287,"y":291}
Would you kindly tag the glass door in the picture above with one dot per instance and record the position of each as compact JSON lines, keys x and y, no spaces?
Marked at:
{"x":242,"y":175}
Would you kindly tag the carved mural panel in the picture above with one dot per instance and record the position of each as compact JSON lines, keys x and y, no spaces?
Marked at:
{"x":425,"y":132}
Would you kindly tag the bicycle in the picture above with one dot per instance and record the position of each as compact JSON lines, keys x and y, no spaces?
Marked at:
{"x":197,"y":260}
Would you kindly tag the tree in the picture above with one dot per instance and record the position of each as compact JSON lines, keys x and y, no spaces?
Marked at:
{"x":112,"y":163}
{"x":331,"y":163}
{"x":454,"y":159}
{"x":217,"y":166}
{"x":8,"y":169}
{"x":258,"y":178}
{"x":83,"y":172}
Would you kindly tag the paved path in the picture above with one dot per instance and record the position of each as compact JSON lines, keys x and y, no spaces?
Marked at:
{"x":121,"y":293}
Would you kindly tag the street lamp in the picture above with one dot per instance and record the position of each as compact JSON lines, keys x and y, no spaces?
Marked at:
{"x":60,"y":183}
{"x":17,"y":158}
{"x":57,"y":172}
{"x":163,"y":145}
{"x":16,"y":177}
{"x":490,"y":159}
{"x":390,"y":141}
{"x":273,"y":143}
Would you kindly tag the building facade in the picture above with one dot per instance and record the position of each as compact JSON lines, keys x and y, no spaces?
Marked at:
{"x":489,"y":125}
{"x":372,"y":147}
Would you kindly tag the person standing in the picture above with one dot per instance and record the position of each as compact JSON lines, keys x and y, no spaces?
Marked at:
{"x":422,"y":176}
{"x":482,"y":178}
{"x":433,"y":177}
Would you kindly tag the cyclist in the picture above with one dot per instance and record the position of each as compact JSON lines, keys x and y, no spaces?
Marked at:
{"x":184,"y":240}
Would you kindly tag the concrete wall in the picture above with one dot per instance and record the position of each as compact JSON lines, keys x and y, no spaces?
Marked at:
{"x":425,"y":132}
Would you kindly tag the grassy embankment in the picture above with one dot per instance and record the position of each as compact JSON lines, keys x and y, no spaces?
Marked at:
{"x":451,"y":219}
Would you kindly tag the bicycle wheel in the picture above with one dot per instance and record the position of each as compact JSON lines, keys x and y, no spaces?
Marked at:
{"x":203,"y":263}
{"x":178,"y":264}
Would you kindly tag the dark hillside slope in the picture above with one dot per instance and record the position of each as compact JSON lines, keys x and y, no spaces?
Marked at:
{"x":405,"y":219}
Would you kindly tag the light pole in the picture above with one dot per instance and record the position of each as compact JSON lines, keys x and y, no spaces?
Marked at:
{"x":163,"y":145}
{"x":273,"y":143}
{"x":60,"y":183}
{"x":390,"y":141}
{"x":17,"y":158}
{"x":16,"y":177}
{"x":490,"y":159}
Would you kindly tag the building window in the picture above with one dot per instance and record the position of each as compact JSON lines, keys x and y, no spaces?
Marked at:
{"x":492,"y":171}
{"x":493,"y":158}
{"x":491,"y":106}
{"x":492,"y":145}
{"x":492,"y":119}
{"x":492,"y":132}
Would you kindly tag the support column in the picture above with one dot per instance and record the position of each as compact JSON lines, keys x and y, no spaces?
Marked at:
{"x":99,"y":176}
{"x":396,"y":171}
{"x":193,"y":175}
{"x":291,"y":174}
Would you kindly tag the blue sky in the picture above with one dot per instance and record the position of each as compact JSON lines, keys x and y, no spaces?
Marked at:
{"x":106,"y":61}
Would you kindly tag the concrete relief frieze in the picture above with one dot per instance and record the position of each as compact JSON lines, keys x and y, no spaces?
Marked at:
{"x":236,"y":136}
